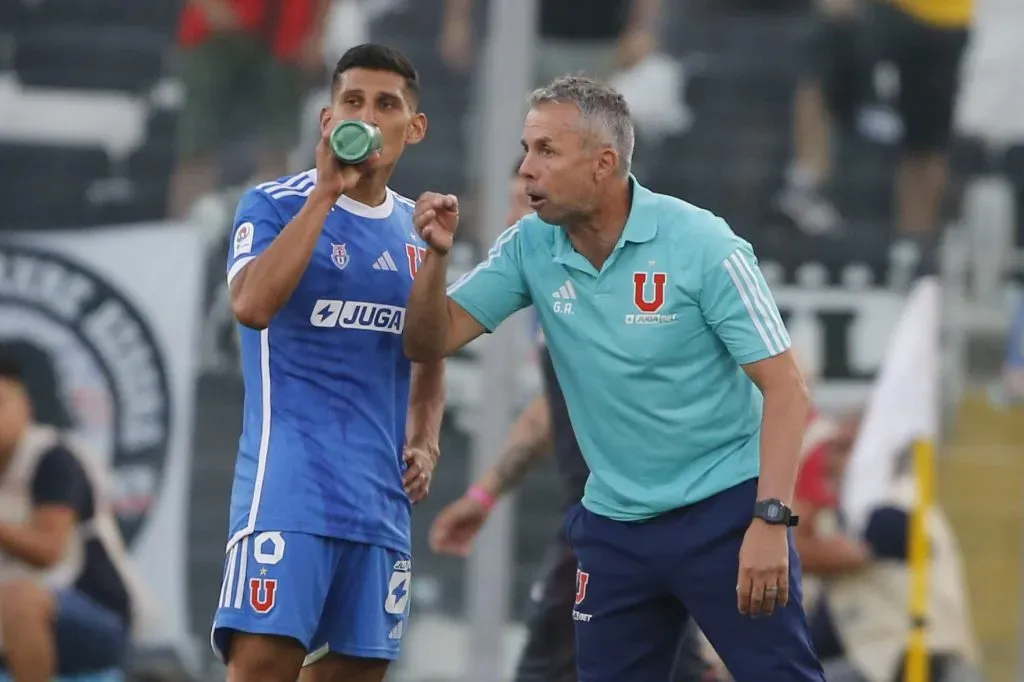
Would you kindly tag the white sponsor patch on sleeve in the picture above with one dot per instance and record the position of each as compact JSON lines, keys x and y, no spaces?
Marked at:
{"x":243,"y":239}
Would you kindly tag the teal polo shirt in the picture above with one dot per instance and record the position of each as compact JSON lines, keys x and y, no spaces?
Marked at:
{"x":648,"y":349}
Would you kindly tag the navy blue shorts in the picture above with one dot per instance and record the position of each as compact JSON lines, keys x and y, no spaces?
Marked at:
{"x":638,"y":582}
{"x":90,"y":637}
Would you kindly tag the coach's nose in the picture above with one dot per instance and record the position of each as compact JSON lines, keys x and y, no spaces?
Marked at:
{"x":526,"y":168}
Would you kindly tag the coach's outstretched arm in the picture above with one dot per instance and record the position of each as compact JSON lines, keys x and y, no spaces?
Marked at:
{"x":262,"y":283}
{"x":440,"y":322}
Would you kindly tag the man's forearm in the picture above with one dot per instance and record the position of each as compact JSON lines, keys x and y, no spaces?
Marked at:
{"x":264,"y":285}
{"x":427,"y":317}
{"x":784,"y":420}
{"x":528,"y":440}
{"x":27,"y":544}
{"x":426,"y":405}
{"x":831,"y":556}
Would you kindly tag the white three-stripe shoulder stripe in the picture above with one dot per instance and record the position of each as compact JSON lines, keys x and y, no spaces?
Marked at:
{"x":754,"y":294}
{"x":492,"y":256}
{"x":296,"y":186}
{"x":403,"y":200}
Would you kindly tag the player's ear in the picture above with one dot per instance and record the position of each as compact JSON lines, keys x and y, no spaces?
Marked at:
{"x":325,"y":120}
{"x":417,"y":128}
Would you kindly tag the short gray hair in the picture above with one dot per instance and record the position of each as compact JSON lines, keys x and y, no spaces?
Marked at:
{"x":601,"y":107}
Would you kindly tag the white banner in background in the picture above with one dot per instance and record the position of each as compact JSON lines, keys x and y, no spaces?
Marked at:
{"x":112,"y":316}
{"x":841,"y":335}
{"x":904,"y":404}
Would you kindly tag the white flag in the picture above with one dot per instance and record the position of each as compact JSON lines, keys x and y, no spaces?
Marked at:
{"x":903,"y":407}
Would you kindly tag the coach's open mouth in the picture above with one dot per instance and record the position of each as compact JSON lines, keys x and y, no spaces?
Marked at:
{"x":536,"y":200}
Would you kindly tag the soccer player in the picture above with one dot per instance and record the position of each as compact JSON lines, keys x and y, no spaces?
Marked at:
{"x":340,"y":431}
{"x":687,"y":403}
{"x":550,"y":651}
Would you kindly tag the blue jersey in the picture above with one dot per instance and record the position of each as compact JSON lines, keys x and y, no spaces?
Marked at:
{"x":327,"y":383}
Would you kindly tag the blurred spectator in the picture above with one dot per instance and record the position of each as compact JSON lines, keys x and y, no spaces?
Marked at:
{"x":829,"y":88}
{"x":859,"y":625}
{"x":823,"y":551}
{"x":924,"y":40}
{"x":255,"y":52}
{"x":595,"y":37}
{"x":66,"y":596}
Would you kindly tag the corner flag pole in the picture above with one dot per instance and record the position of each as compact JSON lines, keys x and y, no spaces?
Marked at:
{"x":919,"y":561}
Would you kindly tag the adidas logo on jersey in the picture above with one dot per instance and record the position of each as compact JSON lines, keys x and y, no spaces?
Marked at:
{"x":378,"y":317}
{"x":385,"y":262}
{"x":564,"y":296}
{"x":566,"y":291}
{"x":397,"y":631}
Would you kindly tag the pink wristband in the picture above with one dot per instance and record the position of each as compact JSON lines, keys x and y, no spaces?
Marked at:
{"x":478,"y":494}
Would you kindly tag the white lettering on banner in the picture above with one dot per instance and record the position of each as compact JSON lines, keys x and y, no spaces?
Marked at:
{"x":113,"y":312}
{"x":44,"y":283}
{"x":118,"y":338}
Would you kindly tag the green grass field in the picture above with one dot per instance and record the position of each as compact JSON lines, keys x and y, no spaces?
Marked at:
{"x":981,"y":487}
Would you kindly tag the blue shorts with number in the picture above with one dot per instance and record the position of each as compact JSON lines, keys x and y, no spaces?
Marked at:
{"x":638,"y":582}
{"x":331,"y":595}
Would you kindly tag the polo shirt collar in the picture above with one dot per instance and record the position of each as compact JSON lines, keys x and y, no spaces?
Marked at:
{"x":641,"y":225}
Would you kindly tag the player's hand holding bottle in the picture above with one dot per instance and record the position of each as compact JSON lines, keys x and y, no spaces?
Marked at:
{"x":457,"y":526}
{"x":436,"y":218}
{"x":332,"y":176}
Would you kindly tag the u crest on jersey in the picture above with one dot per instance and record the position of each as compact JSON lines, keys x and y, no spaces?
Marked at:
{"x":649,"y":299}
{"x":339,"y":255}
{"x":415,"y":255}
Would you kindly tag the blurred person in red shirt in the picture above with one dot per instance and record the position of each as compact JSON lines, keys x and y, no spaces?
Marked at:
{"x":824,"y":552}
{"x":859,"y":623}
{"x":255,"y":51}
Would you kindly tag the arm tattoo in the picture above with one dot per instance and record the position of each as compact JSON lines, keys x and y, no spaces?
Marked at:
{"x":515,"y":462}
{"x":528,"y":441}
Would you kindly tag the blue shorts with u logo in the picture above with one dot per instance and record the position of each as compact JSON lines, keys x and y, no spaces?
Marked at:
{"x":330,"y":595}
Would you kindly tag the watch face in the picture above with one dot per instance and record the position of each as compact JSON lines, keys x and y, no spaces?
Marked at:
{"x":773,"y":511}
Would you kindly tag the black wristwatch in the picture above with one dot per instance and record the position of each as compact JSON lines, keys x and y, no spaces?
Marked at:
{"x":775,"y":513}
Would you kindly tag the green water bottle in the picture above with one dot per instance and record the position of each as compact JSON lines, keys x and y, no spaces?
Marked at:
{"x":355,"y":141}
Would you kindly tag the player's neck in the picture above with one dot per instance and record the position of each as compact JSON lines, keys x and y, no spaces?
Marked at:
{"x":595,"y":235}
{"x":371,"y":190}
